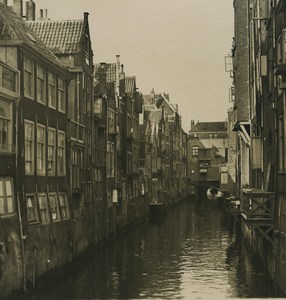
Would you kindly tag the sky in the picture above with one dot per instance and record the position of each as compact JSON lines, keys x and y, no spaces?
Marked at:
{"x":174,"y":46}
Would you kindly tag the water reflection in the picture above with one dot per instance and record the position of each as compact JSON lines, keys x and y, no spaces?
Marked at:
{"x":191,"y":254}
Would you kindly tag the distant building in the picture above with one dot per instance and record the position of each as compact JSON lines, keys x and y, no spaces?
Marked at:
{"x":207,"y":151}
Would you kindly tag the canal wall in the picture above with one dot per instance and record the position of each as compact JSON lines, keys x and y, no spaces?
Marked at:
{"x":262,"y":249}
{"x":50,"y":250}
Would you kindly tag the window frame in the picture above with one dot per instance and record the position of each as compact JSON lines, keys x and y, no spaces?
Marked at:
{"x":32,"y":172}
{"x":35,"y":207}
{"x":64,"y":207}
{"x":6,"y":147}
{"x":53,"y":172}
{"x":5,"y":197}
{"x":52,"y":98}
{"x":195,"y":151}
{"x":50,"y":196}
{"x":61,"y":173}
{"x":31,"y":73}
{"x":42,"y":81}
{"x":61,"y":95}
{"x":17,"y":80}
{"x":43,"y":144}
{"x":45,"y":209}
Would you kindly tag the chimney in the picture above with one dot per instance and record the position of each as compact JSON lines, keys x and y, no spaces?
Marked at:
{"x":4,"y":2}
{"x":122,"y":74}
{"x":192,"y":124}
{"x":18,"y":7}
{"x":41,"y":14}
{"x":152,"y":93}
{"x":30,"y":10}
{"x":85,"y":16}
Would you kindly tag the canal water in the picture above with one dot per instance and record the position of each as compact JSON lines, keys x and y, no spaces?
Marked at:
{"x":193,"y":253}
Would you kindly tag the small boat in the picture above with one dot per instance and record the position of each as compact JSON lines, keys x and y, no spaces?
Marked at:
{"x":213,"y":193}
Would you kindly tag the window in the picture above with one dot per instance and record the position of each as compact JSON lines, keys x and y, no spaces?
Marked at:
{"x":9,"y":79}
{"x":64,"y":206}
{"x":54,"y":207}
{"x":195,"y":151}
{"x":84,"y":92}
{"x":97,"y":108}
{"x":51,"y":90}
{"x":76,"y":164}
{"x":61,"y":95}
{"x":88,"y":96}
{"x":44,"y":211}
{"x":110,"y":159}
{"x":32,"y":210}
{"x":51,"y":151}
{"x":111,"y":117}
{"x":98,"y":184}
{"x":61,"y":153}
{"x":29,"y":147}
{"x":41,"y":149}
{"x":6,"y":196}
{"x":5,"y":126}
{"x":41,"y":85}
{"x":28,"y":77}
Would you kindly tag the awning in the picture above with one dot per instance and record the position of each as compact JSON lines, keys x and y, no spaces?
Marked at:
{"x":243,"y":129}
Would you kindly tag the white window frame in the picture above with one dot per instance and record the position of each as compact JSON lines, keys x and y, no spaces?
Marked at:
{"x":41,"y":81}
{"x":52,"y":147}
{"x":32,"y":142}
{"x":7,"y":199}
{"x":43,"y":208}
{"x":52,"y":99}
{"x":64,"y":208}
{"x":6,"y":121}
{"x":17,"y":81}
{"x":29,"y":73}
{"x":42,"y":145}
{"x":63,"y":148}
{"x":61,"y":95}
{"x":33,"y":208}
{"x":55,"y":210}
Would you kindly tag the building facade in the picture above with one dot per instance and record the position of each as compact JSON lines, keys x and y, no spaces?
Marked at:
{"x":207,"y":152}
{"x":258,"y":52}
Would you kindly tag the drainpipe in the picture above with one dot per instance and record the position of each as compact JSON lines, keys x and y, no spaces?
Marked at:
{"x":18,"y":200}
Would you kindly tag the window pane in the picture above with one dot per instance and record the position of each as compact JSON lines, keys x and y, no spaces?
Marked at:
{"x":10,"y":207}
{"x":1,"y":188}
{"x":8,"y":187}
{"x":2,"y":206}
{"x":8,"y":79}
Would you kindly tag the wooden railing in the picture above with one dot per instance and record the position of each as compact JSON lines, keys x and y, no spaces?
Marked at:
{"x":257,"y":204}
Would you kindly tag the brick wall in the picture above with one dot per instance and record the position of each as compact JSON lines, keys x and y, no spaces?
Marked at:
{"x":241,"y":60}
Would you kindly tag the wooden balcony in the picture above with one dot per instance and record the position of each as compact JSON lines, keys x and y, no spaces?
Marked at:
{"x":257,"y":211}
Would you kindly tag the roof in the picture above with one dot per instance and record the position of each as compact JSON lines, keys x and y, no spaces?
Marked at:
{"x":130,"y":84}
{"x":209,"y":127}
{"x":61,"y":37}
{"x":13,"y":28}
{"x":110,"y":71}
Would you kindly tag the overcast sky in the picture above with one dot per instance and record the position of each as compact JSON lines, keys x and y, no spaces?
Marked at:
{"x":174,"y":46}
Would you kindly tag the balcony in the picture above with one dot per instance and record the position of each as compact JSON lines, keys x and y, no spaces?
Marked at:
{"x":257,"y":211}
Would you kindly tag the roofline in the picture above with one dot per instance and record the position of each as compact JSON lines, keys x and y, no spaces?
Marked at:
{"x":64,"y":70}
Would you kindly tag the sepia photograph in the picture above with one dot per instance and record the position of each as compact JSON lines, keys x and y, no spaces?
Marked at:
{"x":142,"y":149}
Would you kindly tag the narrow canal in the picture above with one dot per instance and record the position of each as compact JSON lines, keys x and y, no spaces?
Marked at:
{"x":193,"y":253}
